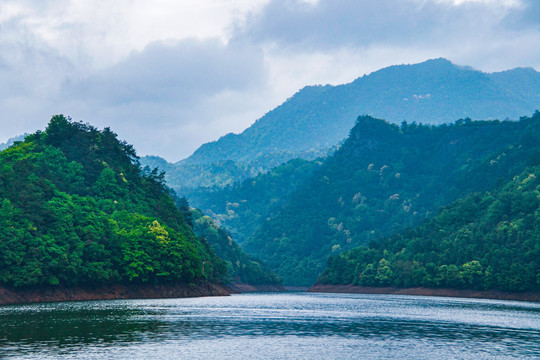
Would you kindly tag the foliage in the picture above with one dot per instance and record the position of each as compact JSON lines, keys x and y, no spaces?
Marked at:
{"x":488,"y":240}
{"x":76,"y":208}
{"x":242,"y":207}
{"x":384,"y":179}
{"x":187,"y":178}
{"x":241,"y":267}
{"x":11,"y":141}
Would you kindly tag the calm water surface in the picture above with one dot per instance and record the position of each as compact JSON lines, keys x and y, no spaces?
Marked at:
{"x":274,"y":326}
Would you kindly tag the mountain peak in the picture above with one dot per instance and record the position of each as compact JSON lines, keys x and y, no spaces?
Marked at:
{"x":432,"y":92}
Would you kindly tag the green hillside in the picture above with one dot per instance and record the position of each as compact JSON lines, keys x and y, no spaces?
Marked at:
{"x":11,"y":141}
{"x":76,"y":208}
{"x":242,"y":207}
{"x":384,"y":179}
{"x":488,"y":240}
{"x":241,"y":268}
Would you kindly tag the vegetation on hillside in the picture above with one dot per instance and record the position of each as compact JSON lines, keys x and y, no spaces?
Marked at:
{"x":77,"y":208}
{"x":241,"y":268}
{"x":488,"y":240}
{"x":186,"y":178}
{"x":242,"y":207}
{"x":384,"y":179}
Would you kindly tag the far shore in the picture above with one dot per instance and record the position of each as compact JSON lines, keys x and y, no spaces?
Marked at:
{"x":489,"y":294}
{"x":249,"y":288}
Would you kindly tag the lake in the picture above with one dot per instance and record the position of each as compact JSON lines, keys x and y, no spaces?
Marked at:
{"x":274,"y":326}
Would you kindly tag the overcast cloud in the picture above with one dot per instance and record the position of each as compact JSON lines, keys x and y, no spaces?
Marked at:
{"x":170,"y":75}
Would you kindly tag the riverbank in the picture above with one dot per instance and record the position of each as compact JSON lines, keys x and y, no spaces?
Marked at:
{"x":111,"y":292}
{"x":248,"y":288}
{"x":490,"y":294}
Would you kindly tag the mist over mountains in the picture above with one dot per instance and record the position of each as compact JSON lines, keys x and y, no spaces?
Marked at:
{"x":432,"y":92}
{"x":317,"y":118}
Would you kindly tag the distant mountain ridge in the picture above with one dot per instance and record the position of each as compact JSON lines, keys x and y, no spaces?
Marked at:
{"x":433,"y":92}
{"x":318,"y":118}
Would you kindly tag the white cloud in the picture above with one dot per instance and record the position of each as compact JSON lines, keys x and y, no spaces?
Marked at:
{"x":168,"y":75}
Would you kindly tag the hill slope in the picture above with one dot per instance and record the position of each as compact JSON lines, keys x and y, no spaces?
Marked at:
{"x":486,"y":241}
{"x":77,"y":209}
{"x":386,"y":178}
{"x":11,"y":141}
{"x":431,"y":92}
{"x":242,"y":269}
{"x":243,"y":207}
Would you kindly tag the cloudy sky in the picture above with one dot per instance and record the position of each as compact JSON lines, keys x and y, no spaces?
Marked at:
{"x":169,"y":75}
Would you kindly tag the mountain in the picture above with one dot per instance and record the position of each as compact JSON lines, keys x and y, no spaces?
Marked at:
{"x":318,"y":118}
{"x":242,"y":207}
{"x":485,"y":241}
{"x":432,"y":92}
{"x":184,"y":178}
{"x":189,"y":178}
{"x":384,"y":179}
{"x":76,"y":209}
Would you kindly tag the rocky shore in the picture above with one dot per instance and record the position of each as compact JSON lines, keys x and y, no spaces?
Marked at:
{"x":490,"y":294}
{"x":110,"y":292}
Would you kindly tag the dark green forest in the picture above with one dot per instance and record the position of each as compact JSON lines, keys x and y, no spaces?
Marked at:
{"x":488,"y":240}
{"x":384,"y":179}
{"x":241,"y":268}
{"x":242,"y":207}
{"x":77,"y":208}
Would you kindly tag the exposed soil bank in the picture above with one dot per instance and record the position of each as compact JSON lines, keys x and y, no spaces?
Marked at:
{"x":490,"y":294}
{"x":247,"y":288}
{"x":110,"y":292}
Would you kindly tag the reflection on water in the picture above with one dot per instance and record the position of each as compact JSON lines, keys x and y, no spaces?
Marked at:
{"x":274,"y":326}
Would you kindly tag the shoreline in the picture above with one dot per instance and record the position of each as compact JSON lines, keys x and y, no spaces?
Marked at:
{"x":10,"y":296}
{"x":238,"y":287}
{"x":421,"y":291}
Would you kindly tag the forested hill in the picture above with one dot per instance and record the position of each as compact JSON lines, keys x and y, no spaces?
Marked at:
{"x":76,"y":208}
{"x":486,"y":241}
{"x":384,"y":179}
{"x":241,"y":268}
{"x":432,"y":92}
{"x":242,"y":207}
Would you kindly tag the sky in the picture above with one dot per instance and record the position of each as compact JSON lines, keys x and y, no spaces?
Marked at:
{"x":170,"y":75}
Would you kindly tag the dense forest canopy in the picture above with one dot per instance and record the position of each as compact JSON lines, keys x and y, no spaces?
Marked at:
{"x":241,"y":268}
{"x":384,"y":179}
{"x":77,"y":208}
{"x":242,"y":207}
{"x":488,"y":240}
